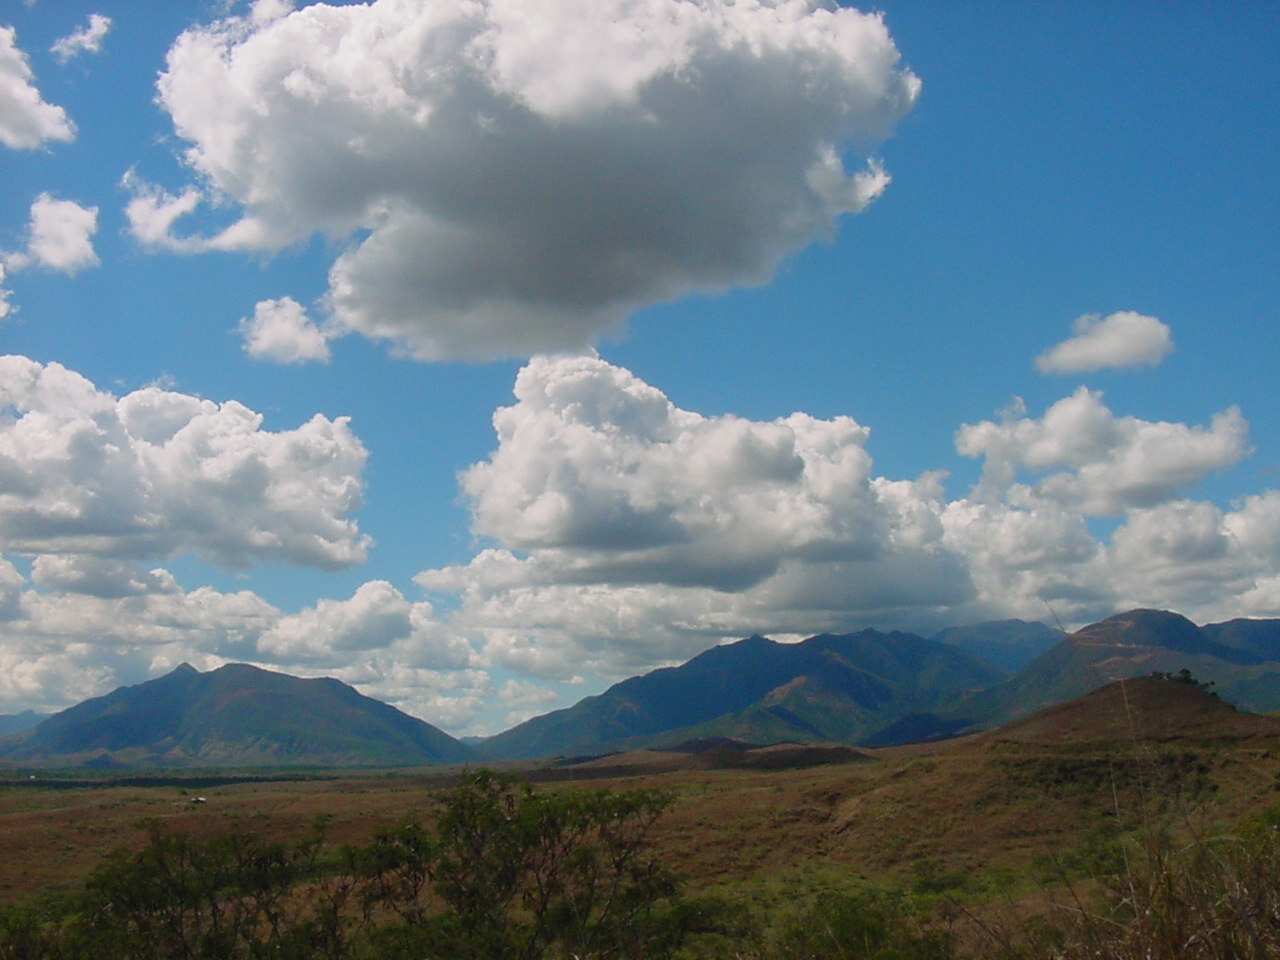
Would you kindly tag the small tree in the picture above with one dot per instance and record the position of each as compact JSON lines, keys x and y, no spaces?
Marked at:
{"x":510,"y":873}
{"x":1185,"y":677}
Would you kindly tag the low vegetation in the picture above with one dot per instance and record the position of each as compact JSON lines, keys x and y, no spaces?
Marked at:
{"x":499,"y":870}
{"x":1071,"y":835}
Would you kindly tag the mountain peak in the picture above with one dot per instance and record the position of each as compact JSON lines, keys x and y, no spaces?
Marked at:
{"x":1142,"y":627}
{"x":234,"y":716}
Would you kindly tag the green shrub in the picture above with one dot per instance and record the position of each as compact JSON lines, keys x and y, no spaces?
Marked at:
{"x":500,"y":873}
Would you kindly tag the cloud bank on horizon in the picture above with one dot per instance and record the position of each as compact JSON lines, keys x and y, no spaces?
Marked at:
{"x":499,"y":178}
{"x":625,"y":533}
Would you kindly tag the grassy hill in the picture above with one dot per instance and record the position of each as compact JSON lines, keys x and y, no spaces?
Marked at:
{"x":1238,"y":659}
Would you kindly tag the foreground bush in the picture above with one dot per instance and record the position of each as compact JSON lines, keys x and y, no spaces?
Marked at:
{"x":1213,"y":897}
{"x":499,"y":873}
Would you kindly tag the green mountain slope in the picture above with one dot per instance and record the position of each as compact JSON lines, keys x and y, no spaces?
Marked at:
{"x":237,"y":715}
{"x":825,"y":688}
{"x":1239,"y":661}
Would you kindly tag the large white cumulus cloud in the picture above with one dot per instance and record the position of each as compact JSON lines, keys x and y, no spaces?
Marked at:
{"x":605,"y":478}
{"x":155,"y":473}
{"x":631,"y":531}
{"x":516,"y":175}
{"x":625,"y":532}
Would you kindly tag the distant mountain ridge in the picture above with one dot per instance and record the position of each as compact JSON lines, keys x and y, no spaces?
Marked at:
{"x":1007,"y":644}
{"x":17,"y":722}
{"x":1241,"y":659}
{"x":862,"y":689}
{"x":237,"y":715}
{"x":826,"y":688}
{"x":881,"y":689}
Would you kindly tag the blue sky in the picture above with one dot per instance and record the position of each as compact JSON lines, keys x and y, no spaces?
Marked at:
{"x":682,"y":260}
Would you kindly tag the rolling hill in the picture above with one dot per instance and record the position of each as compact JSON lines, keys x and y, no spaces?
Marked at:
{"x":1137,"y":710}
{"x":237,"y":715}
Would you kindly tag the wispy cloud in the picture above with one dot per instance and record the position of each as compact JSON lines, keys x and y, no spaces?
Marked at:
{"x":88,"y":39}
{"x":5,"y":306}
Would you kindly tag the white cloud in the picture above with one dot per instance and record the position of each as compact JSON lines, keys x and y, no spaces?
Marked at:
{"x":610,"y":516}
{"x":1112,"y":463}
{"x":152,"y":212}
{"x":375,"y":618}
{"x":280,"y":331}
{"x":648,"y":532}
{"x":628,"y":533}
{"x":155,"y":473}
{"x":517,"y":177}
{"x":5,"y":307}
{"x":602,"y":475}
{"x":524,"y":699}
{"x":99,"y":577}
{"x":59,"y":237}
{"x":88,"y":39}
{"x":1124,"y":339}
{"x":26,"y":120}
{"x":267,"y":10}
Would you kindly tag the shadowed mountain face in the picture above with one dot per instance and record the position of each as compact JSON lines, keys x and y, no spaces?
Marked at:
{"x":17,"y":722}
{"x":832,"y":688}
{"x":1007,"y":644}
{"x":237,"y":715}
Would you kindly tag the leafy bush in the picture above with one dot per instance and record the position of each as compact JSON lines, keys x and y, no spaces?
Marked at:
{"x":501,"y":873}
{"x":1213,"y":897}
{"x":508,"y":872}
{"x":866,"y":926}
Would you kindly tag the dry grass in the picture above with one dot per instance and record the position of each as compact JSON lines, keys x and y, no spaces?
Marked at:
{"x":974,"y":828}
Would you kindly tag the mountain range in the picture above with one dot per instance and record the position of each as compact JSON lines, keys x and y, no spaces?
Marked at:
{"x":882,"y":689}
{"x":862,"y":689}
{"x":826,"y":688}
